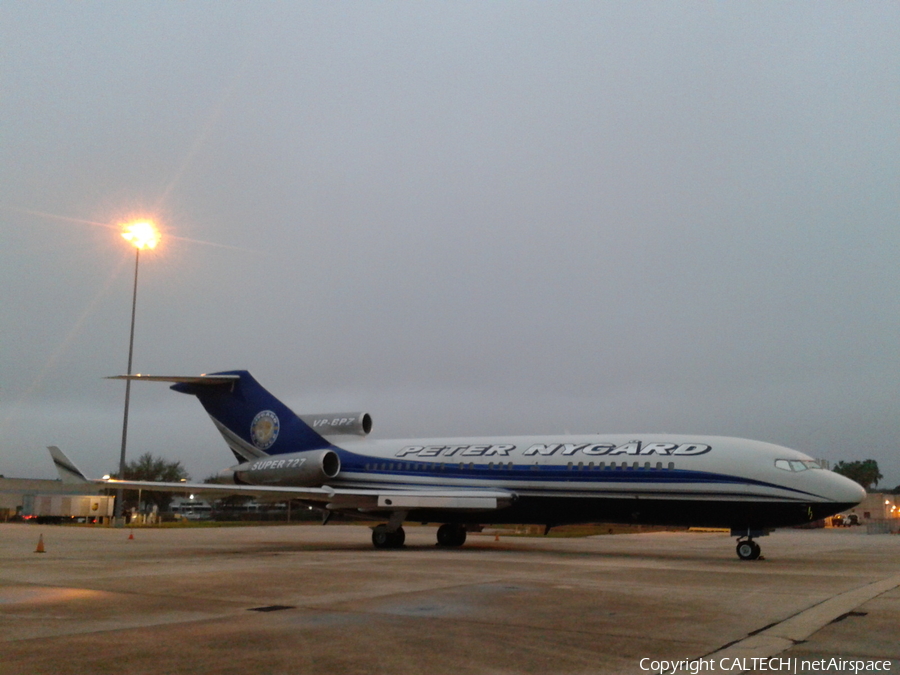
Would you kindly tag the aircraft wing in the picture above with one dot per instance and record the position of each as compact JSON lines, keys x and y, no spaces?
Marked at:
{"x":385,"y":499}
{"x":334,"y":499}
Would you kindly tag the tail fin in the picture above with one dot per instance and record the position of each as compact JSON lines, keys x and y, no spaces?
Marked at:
{"x":253,"y":422}
{"x":68,"y":472}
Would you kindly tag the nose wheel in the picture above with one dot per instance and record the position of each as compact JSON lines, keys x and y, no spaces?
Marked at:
{"x":747,"y":549}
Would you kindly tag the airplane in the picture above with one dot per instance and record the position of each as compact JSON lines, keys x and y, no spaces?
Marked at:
{"x":327,"y":462}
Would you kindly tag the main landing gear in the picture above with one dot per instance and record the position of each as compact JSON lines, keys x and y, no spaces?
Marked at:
{"x":383,"y":537}
{"x":747,"y":549}
{"x":450,"y":534}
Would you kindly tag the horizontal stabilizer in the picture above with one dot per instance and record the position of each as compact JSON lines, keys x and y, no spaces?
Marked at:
{"x":255,"y":423}
{"x":181,"y":379}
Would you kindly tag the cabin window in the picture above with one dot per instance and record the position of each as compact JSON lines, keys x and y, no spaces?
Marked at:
{"x":601,"y":465}
{"x":570,"y":466}
{"x":635,"y":465}
{"x":671,"y":465}
{"x":510,"y":466}
{"x":659,"y":465}
{"x":797,"y":465}
{"x":646,"y":465}
{"x":580,"y":466}
{"x":471,"y":465}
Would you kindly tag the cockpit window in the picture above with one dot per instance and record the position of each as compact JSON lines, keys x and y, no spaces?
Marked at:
{"x":796,"y":464}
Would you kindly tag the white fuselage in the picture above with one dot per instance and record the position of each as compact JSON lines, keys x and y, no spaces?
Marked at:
{"x":670,"y":466}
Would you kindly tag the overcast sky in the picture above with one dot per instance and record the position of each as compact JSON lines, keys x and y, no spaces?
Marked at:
{"x":465,"y":218}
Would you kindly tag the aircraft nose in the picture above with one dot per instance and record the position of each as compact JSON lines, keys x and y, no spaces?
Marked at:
{"x":846,"y":491}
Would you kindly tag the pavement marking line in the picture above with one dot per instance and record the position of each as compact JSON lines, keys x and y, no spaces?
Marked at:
{"x":785,"y":634}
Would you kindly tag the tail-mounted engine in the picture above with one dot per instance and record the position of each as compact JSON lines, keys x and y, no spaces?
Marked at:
{"x":334,"y":424}
{"x":297,"y":469}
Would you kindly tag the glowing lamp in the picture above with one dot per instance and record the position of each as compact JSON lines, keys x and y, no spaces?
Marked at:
{"x":141,"y":234}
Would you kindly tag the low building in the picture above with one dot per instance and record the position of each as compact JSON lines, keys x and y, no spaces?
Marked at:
{"x":877,"y":506}
{"x":879,"y":512}
{"x":15,"y":493}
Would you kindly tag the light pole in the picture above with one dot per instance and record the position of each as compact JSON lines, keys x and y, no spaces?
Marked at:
{"x":141,"y":234}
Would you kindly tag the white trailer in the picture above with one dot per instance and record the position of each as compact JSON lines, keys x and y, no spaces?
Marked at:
{"x":59,"y":508}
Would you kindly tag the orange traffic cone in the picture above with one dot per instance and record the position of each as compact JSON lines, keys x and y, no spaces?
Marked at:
{"x":131,"y":534}
{"x":496,"y":536}
{"x":40,"y":546}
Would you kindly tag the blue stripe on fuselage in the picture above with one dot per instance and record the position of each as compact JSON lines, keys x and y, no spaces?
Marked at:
{"x":353,"y":462}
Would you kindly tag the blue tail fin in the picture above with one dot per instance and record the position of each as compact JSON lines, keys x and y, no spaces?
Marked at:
{"x":253,"y":422}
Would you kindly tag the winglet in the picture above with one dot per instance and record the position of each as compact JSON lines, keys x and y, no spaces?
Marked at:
{"x":68,"y":472}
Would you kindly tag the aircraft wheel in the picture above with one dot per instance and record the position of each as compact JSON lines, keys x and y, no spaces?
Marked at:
{"x":450,"y":534}
{"x":748,"y":550}
{"x":397,"y":538}
{"x":381,"y":538}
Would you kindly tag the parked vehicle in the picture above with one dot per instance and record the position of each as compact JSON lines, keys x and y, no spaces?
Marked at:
{"x":66,"y":508}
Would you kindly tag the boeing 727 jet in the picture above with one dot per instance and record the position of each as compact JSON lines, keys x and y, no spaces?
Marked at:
{"x":327,"y":462}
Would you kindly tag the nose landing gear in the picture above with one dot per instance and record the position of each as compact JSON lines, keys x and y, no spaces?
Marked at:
{"x":747,"y":549}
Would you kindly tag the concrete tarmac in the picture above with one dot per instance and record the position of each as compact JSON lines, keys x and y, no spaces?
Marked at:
{"x":321,"y":600}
